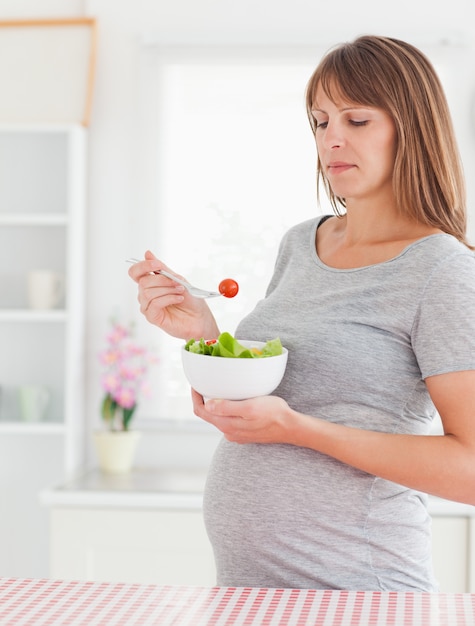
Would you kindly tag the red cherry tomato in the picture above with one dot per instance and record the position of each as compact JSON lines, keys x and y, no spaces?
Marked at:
{"x":228,"y":288}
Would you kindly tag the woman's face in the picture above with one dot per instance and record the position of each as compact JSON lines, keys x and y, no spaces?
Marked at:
{"x":356,"y":145}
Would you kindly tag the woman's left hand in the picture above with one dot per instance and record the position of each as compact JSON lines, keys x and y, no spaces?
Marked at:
{"x":266,"y":419}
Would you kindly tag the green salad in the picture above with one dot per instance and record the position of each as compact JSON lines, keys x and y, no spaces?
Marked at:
{"x":225,"y":345}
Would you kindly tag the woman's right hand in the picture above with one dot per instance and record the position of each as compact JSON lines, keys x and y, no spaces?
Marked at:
{"x":168,"y":305}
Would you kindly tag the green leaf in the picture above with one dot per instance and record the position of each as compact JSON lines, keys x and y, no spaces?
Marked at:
{"x":230,"y":347}
{"x":127,"y":416}
{"x":273,"y":347}
{"x":108,"y":408}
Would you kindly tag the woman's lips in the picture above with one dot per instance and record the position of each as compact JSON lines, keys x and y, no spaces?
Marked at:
{"x":338,"y":167}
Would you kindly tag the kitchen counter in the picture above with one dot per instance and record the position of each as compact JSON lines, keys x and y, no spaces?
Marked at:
{"x":152,"y":488}
{"x":57,"y":602}
{"x":141,"y":488}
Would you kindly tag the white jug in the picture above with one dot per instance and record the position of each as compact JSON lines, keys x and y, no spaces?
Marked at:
{"x":45,"y":289}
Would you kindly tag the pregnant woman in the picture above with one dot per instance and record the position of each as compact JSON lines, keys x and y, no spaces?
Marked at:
{"x":323,"y":484}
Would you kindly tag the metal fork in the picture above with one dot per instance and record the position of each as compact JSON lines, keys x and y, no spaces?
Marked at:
{"x":194,"y":291}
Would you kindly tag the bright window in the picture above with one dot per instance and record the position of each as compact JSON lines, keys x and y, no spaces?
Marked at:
{"x":236,"y":168}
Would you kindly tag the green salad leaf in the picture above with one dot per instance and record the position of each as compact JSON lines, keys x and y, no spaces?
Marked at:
{"x":227,"y":346}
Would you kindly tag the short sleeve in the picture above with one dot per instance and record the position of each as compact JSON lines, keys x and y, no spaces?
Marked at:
{"x":443,"y":333}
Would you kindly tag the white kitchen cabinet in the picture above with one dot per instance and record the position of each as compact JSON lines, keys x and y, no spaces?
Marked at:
{"x":452,"y":553}
{"x":42,"y":224}
{"x":145,"y":526}
{"x":453,"y":532}
{"x":171,"y":547}
{"x":168,"y":547}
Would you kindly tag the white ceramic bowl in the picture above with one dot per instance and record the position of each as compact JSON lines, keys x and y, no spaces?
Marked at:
{"x":234,"y":378}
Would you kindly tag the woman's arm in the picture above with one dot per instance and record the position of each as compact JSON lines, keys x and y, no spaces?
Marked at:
{"x":442,"y":465}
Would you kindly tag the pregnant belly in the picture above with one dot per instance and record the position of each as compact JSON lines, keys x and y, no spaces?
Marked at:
{"x":279,"y":515}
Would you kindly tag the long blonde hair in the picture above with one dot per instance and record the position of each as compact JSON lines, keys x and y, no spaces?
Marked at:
{"x":395,"y":76}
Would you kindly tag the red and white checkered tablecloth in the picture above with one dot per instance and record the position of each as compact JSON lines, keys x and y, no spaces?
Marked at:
{"x":28,"y":602}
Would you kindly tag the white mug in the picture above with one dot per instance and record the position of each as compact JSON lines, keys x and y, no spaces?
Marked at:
{"x":45,"y":289}
{"x":33,"y":402}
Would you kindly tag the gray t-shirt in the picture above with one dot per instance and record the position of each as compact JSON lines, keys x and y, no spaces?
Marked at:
{"x":361,"y":342}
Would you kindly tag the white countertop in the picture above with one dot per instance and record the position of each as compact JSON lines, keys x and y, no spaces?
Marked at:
{"x":148,"y":488}
{"x":162,"y":488}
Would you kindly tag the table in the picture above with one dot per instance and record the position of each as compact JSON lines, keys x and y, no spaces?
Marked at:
{"x":28,"y":602}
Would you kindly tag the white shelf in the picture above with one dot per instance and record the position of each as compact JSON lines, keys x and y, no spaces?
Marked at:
{"x":40,"y":428}
{"x":33,"y":219}
{"x":27,"y":315}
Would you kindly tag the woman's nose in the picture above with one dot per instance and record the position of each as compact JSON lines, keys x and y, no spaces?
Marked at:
{"x":333,"y":136}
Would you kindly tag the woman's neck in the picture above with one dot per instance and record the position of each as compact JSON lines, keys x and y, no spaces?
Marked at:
{"x":358,"y":239}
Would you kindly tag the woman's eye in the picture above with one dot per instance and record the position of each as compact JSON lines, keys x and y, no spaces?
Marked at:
{"x":321,"y":124}
{"x":358,"y":123}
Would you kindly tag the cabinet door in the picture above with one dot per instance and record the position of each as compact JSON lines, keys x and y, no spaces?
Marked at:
{"x":160,"y":547}
{"x":450,"y":549}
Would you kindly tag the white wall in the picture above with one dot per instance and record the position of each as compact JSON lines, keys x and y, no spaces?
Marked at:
{"x":121,"y":204}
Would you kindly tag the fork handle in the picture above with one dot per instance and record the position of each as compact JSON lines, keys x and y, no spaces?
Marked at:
{"x":172,"y":277}
{"x":164,"y":272}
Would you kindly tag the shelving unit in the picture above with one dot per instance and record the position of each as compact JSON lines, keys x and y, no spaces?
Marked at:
{"x":42,"y":221}
{"x":42,"y":224}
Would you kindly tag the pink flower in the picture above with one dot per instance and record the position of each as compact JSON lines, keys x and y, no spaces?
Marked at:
{"x":110,"y":382}
{"x":109,"y":356}
{"x":125,"y":397}
{"x":117,"y":334}
{"x":130,"y":373}
{"x":126,"y":366}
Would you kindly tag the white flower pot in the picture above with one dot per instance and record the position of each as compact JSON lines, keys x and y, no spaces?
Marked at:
{"x":116,"y":450}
